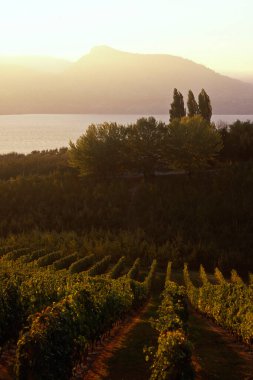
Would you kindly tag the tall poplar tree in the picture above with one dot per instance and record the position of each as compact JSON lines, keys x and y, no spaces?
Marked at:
{"x":205,"y":108}
{"x":193,"y":108}
{"x":177,"y":110}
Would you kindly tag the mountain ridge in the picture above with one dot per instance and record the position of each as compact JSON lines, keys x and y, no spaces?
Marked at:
{"x":107,"y":80}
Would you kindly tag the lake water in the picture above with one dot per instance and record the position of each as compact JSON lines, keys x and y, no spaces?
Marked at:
{"x":25,"y":133}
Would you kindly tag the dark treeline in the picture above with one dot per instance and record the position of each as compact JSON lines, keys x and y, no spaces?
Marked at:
{"x":237,"y":141}
{"x":207,"y":218}
{"x":36,"y":163}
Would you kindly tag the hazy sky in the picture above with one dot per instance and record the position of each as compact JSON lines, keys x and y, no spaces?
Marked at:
{"x":217,"y":33}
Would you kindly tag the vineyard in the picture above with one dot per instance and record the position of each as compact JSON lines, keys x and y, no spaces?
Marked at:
{"x":58,"y":306}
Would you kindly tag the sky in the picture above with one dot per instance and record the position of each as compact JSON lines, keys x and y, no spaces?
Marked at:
{"x":217,"y":33}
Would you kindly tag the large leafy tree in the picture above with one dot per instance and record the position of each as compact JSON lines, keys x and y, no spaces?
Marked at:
{"x":205,"y":107}
{"x":145,"y":140}
{"x":192,"y":143}
{"x":101,"y":151}
{"x":177,"y":109}
{"x":193,"y":108}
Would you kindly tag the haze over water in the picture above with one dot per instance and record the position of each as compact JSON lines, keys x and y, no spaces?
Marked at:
{"x":26,"y":133}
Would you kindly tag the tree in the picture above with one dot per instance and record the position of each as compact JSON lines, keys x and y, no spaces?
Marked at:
{"x":193,"y":108}
{"x":192,"y":143}
{"x":101,"y":151}
{"x":205,"y":108}
{"x":237,"y":141}
{"x":177,"y":106}
{"x":145,"y":139}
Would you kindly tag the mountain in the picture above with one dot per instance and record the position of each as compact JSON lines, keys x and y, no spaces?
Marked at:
{"x":110,"y":81}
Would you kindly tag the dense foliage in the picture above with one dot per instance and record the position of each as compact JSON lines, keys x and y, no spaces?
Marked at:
{"x":206,"y":218}
{"x":36,"y":163}
{"x":110,"y":150}
{"x":25,"y":289}
{"x":237,"y":141}
{"x":192,"y":143}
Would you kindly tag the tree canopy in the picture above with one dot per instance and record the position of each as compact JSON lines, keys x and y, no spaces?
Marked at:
{"x":145,"y":141}
{"x":177,"y":109}
{"x":192,"y":143}
{"x":193,"y":108}
{"x":205,"y":108}
{"x":100,"y":151}
{"x":237,"y":141}
{"x":109,"y":149}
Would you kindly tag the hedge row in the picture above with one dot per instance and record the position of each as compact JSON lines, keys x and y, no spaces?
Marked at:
{"x":142,"y":290}
{"x":82,"y":264}
{"x":65,"y":261}
{"x":134,"y":271}
{"x":17,"y":253}
{"x":6,"y":249}
{"x":117,"y":268}
{"x":100,"y":267}
{"x":49,"y":259}
{"x":172,"y":359}
{"x":34,"y":255}
{"x":230,"y":304}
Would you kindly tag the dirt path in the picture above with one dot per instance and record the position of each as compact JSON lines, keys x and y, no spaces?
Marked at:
{"x":99,"y":367}
{"x":7,"y":360}
{"x":123,"y":357}
{"x":217,"y":355}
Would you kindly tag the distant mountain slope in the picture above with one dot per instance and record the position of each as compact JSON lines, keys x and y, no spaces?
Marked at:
{"x":110,"y":81}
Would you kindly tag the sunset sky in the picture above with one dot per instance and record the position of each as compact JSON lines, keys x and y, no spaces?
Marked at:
{"x":216,"y":33}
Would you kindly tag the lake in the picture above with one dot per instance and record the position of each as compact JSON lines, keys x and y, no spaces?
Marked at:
{"x":25,"y":133}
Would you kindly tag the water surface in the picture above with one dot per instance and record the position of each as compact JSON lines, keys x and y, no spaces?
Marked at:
{"x":25,"y":133}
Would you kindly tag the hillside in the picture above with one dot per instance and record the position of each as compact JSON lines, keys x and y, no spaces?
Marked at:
{"x":110,"y":81}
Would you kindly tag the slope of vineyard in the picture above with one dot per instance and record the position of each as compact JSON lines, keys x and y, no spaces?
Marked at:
{"x":60,"y":336}
{"x":58,"y":303}
{"x":38,"y":302}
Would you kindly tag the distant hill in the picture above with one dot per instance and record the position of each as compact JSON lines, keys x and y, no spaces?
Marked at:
{"x":111,"y":81}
